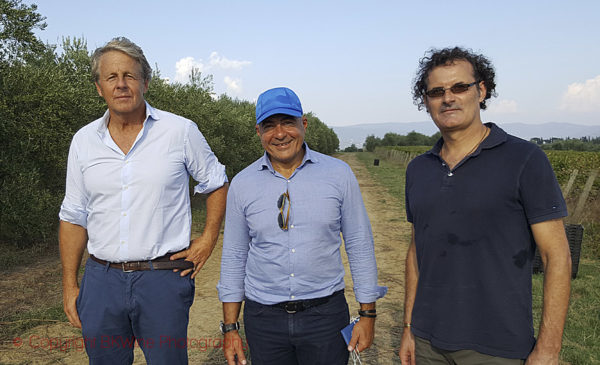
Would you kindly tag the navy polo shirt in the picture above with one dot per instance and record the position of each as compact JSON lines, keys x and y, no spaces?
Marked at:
{"x":474,"y":243}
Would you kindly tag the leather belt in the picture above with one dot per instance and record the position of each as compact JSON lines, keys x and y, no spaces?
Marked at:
{"x":299,"y":305}
{"x":159,"y":263}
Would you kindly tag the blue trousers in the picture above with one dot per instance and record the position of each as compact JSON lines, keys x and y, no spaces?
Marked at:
{"x":120,"y":310}
{"x":310,"y":337}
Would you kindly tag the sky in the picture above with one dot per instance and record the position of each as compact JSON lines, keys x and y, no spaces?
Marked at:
{"x":353,"y":62}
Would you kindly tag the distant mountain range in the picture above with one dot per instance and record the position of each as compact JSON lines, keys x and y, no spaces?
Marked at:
{"x":358,"y":133}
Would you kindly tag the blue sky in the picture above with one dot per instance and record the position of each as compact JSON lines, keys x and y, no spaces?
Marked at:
{"x":353,"y":62}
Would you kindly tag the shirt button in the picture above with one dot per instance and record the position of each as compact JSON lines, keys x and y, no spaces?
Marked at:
{"x":450,"y":174}
{"x":293,"y":250}
{"x":122,"y":242}
{"x":292,"y":274}
{"x":443,"y":164}
{"x":288,"y":181}
{"x":293,"y":296}
{"x":292,"y":226}
{"x":125,"y":187}
{"x":124,"y":214}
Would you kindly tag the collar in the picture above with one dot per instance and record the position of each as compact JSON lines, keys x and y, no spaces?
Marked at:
{"x":151,"y":114}
{"x":496,"y":137}
{"x":309,"y":156}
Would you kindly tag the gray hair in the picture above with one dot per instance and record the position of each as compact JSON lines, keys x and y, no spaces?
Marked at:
{"x":126,"y":46}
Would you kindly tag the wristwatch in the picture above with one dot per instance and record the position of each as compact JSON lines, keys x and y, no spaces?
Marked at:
{"x":229,"y":327}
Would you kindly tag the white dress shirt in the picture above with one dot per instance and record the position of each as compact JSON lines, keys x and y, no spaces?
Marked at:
{"x":136,"y":206}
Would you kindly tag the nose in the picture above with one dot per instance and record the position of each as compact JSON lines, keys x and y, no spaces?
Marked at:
{"x":279,"y":131}
{"x":448,"y":97}
{"x":121,"y":84}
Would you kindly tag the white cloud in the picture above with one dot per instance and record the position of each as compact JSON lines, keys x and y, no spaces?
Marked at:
{"x":503,"y":106}
{"x":216,"y":61}
{"x":582,"y":97}
{"x":234,"y":86}
{"x":184,"y":67}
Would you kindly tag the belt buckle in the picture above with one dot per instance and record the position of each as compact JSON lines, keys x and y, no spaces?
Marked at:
{"x":123,"y":267}
{"x":290,"y":305}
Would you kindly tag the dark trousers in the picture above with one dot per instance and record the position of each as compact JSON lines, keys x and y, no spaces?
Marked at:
{"x":430,"y":355}
{"x":120,"y":310}
{"x":310,"y":337}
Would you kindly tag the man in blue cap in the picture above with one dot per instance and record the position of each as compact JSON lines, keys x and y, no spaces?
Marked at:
{"x":281,"y":248}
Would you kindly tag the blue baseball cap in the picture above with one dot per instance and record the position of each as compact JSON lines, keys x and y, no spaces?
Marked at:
{"x":279,"y":100}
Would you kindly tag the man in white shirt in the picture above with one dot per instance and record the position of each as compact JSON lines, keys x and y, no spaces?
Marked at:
{"x":127,"y":199}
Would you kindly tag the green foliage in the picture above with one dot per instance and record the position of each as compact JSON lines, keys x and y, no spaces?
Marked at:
{"x":371,"y":142}
{"x":559,"y":144}
{"x":17,"y":22}
{"x":351,"y":148}
{"x":564,"y":162}
{"x":393,"y":139}
{"x":411,"y":149}
{"x":319,"y":136}
{"x":42,"y":103}
{"x":45,"y":97}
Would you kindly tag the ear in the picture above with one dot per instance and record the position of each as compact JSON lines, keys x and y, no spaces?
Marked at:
{"x":257,"y":130}
{"x":146,"y":83}
{"x":482,"y":91}
{"x":98,"y":89}
{"x":304,"y":122}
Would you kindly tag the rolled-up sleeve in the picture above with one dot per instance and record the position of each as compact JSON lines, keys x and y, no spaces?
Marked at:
{"x":236,"y":243}
{"x":201,"y":162}
{"x":358,"y":240}
{"x":74,"y":205}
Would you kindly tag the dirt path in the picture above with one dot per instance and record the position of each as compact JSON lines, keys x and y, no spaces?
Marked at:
{"x":59,"y":343}
{"x":391,"y":233}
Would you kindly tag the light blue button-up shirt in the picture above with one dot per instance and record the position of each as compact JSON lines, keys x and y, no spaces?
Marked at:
{"x":136,"y":206}
{"x":268,"y":265}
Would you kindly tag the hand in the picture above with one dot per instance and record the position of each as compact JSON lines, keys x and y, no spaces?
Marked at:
{"x":538,"y":357}
{"x":233,"y":347}
{"x":407,"y":348}
{"x":70,"y":306}
{"x":362,"y":334}
{"x":198,"y":252}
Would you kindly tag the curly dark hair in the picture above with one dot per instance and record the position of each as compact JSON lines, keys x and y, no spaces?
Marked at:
{"x":482,"y":71}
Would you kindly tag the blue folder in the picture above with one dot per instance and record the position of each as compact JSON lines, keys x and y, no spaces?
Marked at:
{"x":347,"y":331}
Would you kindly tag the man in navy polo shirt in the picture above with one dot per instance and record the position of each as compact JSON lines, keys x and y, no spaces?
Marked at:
{"x":479,"y":202}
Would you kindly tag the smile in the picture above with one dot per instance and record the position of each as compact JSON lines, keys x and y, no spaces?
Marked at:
{"x":282,"y":144}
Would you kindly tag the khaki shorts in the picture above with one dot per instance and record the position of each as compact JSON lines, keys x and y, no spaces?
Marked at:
{"x":429,"y":355}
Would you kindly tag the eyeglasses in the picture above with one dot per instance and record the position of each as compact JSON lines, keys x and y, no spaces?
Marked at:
{"x":281,"y":204}
{"x":459,"y":88}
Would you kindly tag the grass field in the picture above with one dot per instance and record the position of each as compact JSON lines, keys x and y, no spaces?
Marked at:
{"x":581,"y":341}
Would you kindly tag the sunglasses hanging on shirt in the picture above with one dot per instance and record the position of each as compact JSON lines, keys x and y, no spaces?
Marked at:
{"x":282,"y":203}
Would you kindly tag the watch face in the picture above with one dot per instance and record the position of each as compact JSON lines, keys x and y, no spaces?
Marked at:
{"x":229,"y":327}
